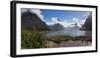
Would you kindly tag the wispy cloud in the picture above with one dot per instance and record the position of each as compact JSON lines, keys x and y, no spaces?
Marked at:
{"x":65,"y":23}
{"x":38,"y":12}
{"x":52,"y":18}
{"x":55,"y":20}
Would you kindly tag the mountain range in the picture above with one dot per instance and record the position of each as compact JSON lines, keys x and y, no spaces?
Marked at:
{"x":56,"y":27}
{"x":32,"y":21}
{"x":88,"y":23}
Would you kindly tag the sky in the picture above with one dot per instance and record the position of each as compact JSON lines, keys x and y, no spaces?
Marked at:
{"x":63,"y":17}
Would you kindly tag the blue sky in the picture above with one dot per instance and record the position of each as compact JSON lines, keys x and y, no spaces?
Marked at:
{"x":63,"y":17}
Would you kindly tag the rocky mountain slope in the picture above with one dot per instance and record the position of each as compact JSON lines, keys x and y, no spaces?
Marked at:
{"x":88,"y":23}
{"x":32,"y":21}
{"x":56,"y":27}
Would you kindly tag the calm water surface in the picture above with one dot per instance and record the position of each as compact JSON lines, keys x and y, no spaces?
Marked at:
{"x":69,"y":32}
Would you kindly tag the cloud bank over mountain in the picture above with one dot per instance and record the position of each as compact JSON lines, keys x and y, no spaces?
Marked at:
{"x":65,"y":23}
{"x":38,"y":12}
{"x":55,"y":19}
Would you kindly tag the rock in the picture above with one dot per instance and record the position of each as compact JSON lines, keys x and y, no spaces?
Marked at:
{"x":51,"y":44}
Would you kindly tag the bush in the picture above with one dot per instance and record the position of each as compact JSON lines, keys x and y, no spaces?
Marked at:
{"x":32,"y":39}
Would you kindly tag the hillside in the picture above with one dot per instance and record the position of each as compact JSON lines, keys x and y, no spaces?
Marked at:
{"x":32,"y":21}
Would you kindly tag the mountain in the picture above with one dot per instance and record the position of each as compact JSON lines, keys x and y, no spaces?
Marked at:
{"x":32,"y":21}
{"x":88,"y":23}
{"x":56,"y":27}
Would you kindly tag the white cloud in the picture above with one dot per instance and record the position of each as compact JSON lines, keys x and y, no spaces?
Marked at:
{"x":65,"y":23}
{"x":50,"y":23}
{"x":75,"y":20}
{"x":36,"y":11}
{"x":54,"y":20}
{"x":83,"y":21}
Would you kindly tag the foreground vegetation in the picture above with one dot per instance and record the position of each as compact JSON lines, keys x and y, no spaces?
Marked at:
{"x":32,"y":39}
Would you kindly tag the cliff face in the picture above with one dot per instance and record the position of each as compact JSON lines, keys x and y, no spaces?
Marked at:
{"x":32,"y":21}
{"x":88,"y":23}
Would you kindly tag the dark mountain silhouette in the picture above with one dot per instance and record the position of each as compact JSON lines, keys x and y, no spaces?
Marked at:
{"x":32,"y":21}
{"x":56,"y":27}
{"x":88,"y":23}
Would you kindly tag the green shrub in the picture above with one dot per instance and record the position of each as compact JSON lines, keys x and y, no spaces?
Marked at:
{"x":32,"y":39}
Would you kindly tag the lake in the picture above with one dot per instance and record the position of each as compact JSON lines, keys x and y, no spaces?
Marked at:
{"x":69,"y":32}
